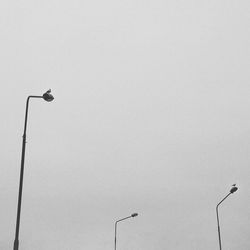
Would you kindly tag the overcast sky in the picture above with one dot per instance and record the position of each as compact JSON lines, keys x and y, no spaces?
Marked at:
{"x":151,"y":115}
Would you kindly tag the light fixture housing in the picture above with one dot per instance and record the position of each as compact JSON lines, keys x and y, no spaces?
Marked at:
{"x":134,"y":215}
{"x":233,"y":189}
{"x":47,"y":96}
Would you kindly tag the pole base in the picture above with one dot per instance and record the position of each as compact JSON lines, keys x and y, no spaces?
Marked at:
{"x":16,"y":244}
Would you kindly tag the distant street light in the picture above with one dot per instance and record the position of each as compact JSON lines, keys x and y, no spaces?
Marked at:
{"x":232,"y":190}
{"x":132,"y":215}
{"x":47,"y":97}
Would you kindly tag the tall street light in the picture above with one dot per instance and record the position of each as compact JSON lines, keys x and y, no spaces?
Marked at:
{"x":232,"y":190}
{"x":131,"y":216}
{"x":47,"y":97}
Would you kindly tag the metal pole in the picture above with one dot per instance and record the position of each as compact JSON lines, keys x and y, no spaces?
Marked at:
{"x":16,"y":241}
{"x":218,"y":222}
{"x":115,"y":233}
{"x":133,"y":215}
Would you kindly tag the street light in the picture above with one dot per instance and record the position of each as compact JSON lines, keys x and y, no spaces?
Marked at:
{"x":47,"y":97}
{"x":131,"y":216}
{"x":232,"y":190}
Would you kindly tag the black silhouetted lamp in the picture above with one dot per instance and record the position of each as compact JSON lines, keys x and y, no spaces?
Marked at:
{"x":47,"y":97}
{"x":131,"y":216}
{"x":232,"y":190}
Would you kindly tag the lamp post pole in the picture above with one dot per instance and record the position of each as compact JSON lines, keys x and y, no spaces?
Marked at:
{"x":47,"y":97}
{"x":233,"y":189}
{"x":131,"y":216}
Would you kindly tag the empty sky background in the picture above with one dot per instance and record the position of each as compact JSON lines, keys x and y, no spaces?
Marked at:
{"x":151,"y":115}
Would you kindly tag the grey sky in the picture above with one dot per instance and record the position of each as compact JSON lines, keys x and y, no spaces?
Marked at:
{"x":151,"y":115}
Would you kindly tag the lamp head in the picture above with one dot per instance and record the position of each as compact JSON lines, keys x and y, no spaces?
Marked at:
{"x":47,"y":96}
{"x":233,"y":189}
{"x":134,"y":215}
